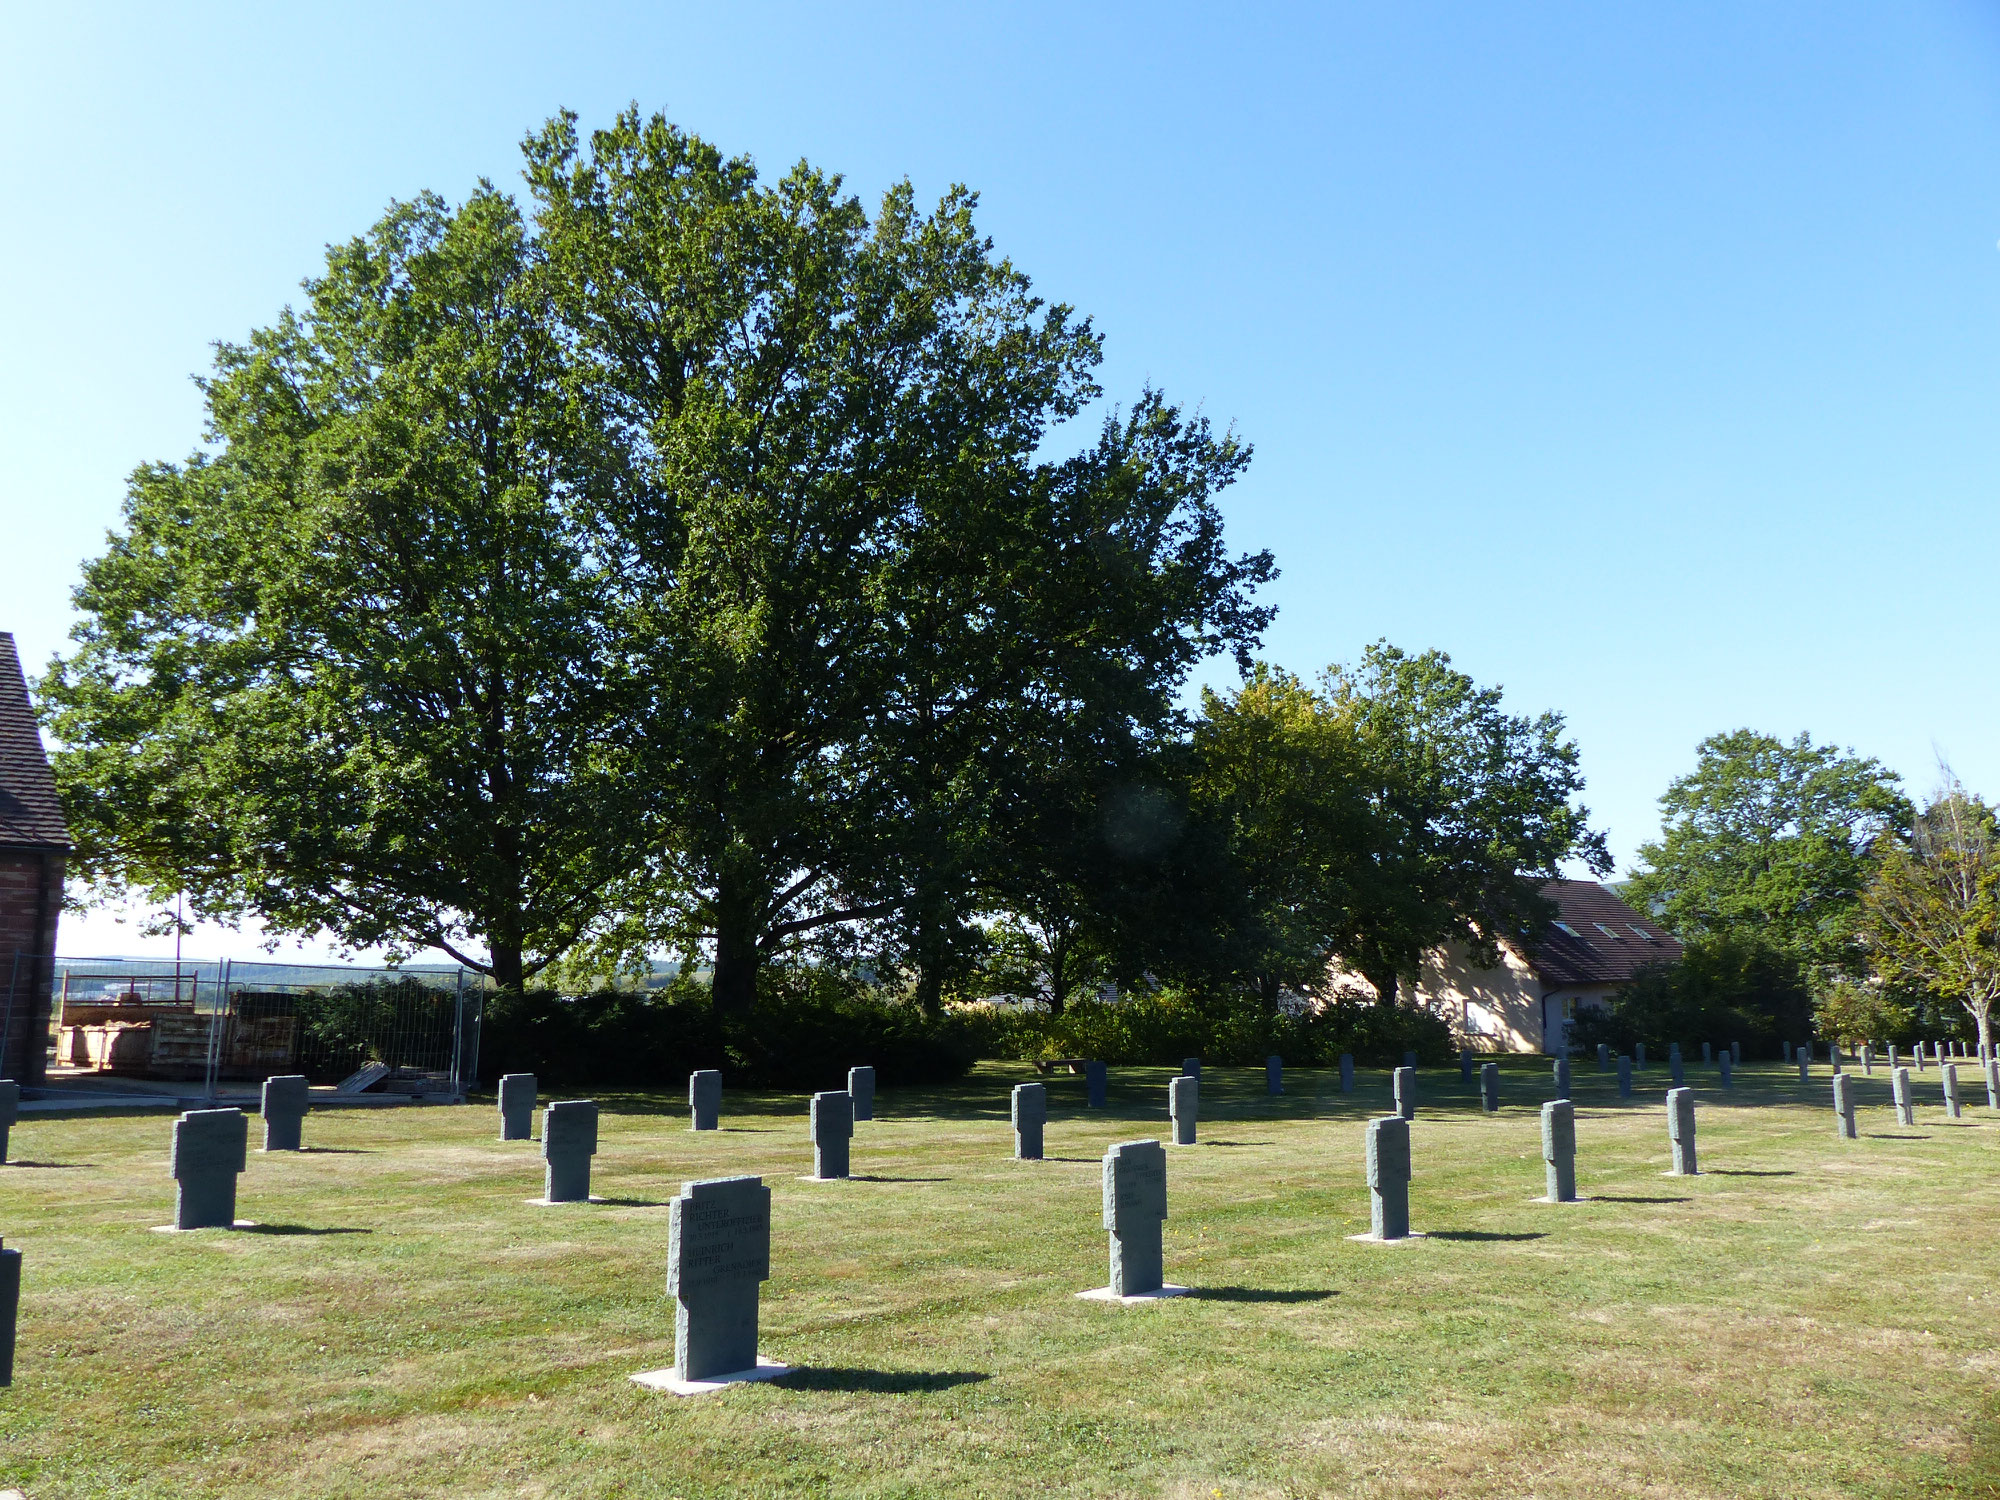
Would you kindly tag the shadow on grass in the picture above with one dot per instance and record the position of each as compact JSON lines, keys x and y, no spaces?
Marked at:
{"x":633,"y":1202}
{"x":1869,"y":1135}
{"x":1255,"y":1294}
{"x":1233,"y":1143}
{"x":296,"y":1229}
{"x":1747,"y":1172}
{"x":49,"y":1166}
{"x":879,"y":1382}
{"x":1481,"y":1236}
{"x":1633,"y":1198}
{"x":865,"y":1177}
{"x":335,"y":1151}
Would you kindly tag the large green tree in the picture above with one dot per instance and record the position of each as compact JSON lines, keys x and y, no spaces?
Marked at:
{"x":345,"y":668}
{"x":1931,"y":912}
{"x":848,"y":571}
{"x":1771,"y":843}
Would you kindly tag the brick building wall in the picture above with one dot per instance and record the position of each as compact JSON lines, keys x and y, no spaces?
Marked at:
{"x":31,"y":884}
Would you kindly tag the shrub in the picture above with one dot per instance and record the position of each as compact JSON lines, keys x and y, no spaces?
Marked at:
{"x":1723,"y":990}
{"x":806,"y":1030}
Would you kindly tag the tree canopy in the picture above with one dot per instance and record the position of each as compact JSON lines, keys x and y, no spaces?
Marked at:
{"x":1772,"y":843}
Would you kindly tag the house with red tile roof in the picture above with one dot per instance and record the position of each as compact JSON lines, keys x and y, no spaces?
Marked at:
{"x":1525,"y":1003}
{"x":34,"y":849}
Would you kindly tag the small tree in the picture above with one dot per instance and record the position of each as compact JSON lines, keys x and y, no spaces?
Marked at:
{"x":1932,"y":913}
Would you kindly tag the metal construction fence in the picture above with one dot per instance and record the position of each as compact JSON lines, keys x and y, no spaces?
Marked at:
{"x":232,"y":1021}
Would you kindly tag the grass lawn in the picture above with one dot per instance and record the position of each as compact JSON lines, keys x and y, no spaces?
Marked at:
{"x":1809,"y":1317}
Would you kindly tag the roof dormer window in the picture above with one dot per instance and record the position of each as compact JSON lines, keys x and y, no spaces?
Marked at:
{"x":1565,"y":927}
{"x":1644,"y":936}
{"x":1610,"y":932}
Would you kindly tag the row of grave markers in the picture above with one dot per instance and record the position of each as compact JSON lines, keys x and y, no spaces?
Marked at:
{"x":719,"y":1229}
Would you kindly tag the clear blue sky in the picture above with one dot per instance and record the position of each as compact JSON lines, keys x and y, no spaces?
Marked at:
{"x":1642,"y":357}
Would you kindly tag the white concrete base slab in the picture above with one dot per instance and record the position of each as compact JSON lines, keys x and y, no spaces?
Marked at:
{"x":175,"y":1229}
{"x":1105,"y":1294}
{"x":1684,"y":1174}
{"x":826,"y":1179}
{"x":1559,"y":1201}
{"x":561,"y":1203}
{"x":667,"y":1380}
{"x":1375,"y":1239}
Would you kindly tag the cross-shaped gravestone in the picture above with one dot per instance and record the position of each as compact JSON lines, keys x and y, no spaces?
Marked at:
{"x":1559,"y":1149}
{"x":1403,"y":1088}
{"x":1389,"y":1178}
{"x":1843,"y":1106}
{"x":1184,"y":1106}
{"x":832,"y":1120}
{"x":1951,"y":1104}
{"x":10,"y":1111}
{"x":1135,"y":1206}
{"x":1899,"y":1090}
{"x":1095,"y":1079}
{"x":1624,"y":1077}
{"x":1489,"y":1087}
{"x":718,"y":1257}
{"x":569,"y":1140}
{"x":1347,"y":1072}
{"x":705,"y":1099}
{"x":517,"y":1106}
{"x":285,"y":1102}
{"x":1562,"y":1078}
{"x":210,"y":1147}
{"x":10,"y":1310}
{"x":861,"y":1090}
{"x":1031,"y":1113}
{"x":1680,"y":1130}
{"x":1274,"y":1074}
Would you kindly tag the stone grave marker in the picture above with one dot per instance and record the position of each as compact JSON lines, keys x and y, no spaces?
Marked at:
{"x":1736,"y":1052}
{"x":1892,"y":1058}
{"x":1728,"y":1064}
{"x":1190,"y":1067}
{"x":1183,"y":1106}
{"x":1675,"y":1072}
{"x":718,"y":1258}
{"x":1603,"y":1055}
{"x":1274,"y":1074}
{"x":1410,"y":1060}
{"x":1562,"y":1077}
{"x":1403,"y":1082}
{"x":1638,"y":1054}
{"x":705,"y":1102}
{"x":283,"y":1106}
{"x":1992,"y":1071}
{"x":1096,"y":1079}
{"x":1707,"y":1054}
{"x":1918,"y":1053}
{"x":569,"y":1141}
{"x":10,"y":1111}
{"x":1135,"y":1206}
{"x":1347,"y":1072}
{"x":861,"y":1090}
{"x":1624,"y":1077}
{"x":517,"y":1106}
{"x":1680,"y":1131}
{"x":1388,"y":1180}
{"x":1489,"y":1087}
{"x":1833,"y":1054}
{"x":1559,"y":1150}
{"x":1899,"y":1091}
{"x":1843,"y":1106}
{"x":10,"y":1310}
{"x":1030,"y":1113}
{"x":1805,"y":1064}
{"x":1952,"y":1106}
{"x":1673,"y":1052}
{"x":1868,"y":1058}
{"x":211,"y":1146}
{"x":832,"y":1121}
{"x":1465,"y":1067}
{"x":1785,"y":1053}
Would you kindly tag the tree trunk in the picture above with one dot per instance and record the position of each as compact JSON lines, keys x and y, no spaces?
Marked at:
{"x":1058,"y":976}
{"x":930,"y":988}
{"x":734,"y":988}
{"x":506,"y":960}
{"x":1267,"y":993}
{"x":1385,"y":985}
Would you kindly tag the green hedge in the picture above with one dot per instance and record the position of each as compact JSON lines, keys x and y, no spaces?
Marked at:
{"x":1162,"y":1029}
{"x":803,"y":1035}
